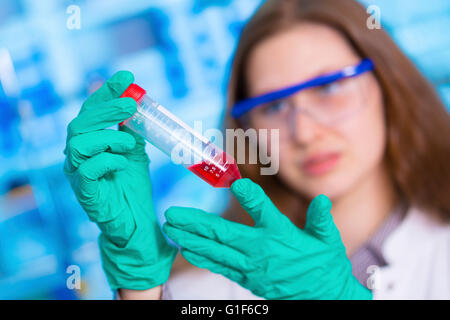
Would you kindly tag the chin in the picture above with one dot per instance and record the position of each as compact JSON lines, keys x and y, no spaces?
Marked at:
{"x":333,"y":185}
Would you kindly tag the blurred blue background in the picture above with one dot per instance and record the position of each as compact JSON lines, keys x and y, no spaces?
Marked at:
{"x":178,"y":49}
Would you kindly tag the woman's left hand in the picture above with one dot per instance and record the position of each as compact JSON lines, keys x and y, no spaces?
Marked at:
{"x":274,"y":259}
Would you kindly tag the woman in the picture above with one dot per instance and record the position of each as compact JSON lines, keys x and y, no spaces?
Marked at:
{"x":373,"y":137}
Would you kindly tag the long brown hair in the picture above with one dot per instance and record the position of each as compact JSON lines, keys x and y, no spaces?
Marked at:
{"x":418,"y":125}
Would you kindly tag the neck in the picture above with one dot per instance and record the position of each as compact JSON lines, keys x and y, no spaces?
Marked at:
{"x":358,"y":213}
{"x":361,"y":211}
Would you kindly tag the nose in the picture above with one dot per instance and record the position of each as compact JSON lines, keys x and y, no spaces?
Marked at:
{"x":304,"y":129}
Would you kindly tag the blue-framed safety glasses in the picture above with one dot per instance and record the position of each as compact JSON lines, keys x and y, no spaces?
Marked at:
{"x":245,"y":106}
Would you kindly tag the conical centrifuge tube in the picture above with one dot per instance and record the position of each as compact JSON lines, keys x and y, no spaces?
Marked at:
{"x":180,"y":142}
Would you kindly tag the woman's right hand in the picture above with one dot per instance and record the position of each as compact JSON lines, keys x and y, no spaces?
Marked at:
{"x":108,"y":171}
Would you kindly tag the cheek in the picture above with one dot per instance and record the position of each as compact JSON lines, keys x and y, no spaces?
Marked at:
{"x":277,"y":151}
{"x":366,"y":137}
{"x":362,"y":140}
{"x":289,"y":165}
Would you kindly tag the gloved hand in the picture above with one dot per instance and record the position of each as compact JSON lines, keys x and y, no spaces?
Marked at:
{"x":108,"y":171}
{"x":274,"y":259}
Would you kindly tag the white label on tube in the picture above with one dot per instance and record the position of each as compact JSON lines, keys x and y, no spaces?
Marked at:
{"x":182,"y":124}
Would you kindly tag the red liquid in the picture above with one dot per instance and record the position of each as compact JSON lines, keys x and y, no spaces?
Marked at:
{"x":216,"y":176}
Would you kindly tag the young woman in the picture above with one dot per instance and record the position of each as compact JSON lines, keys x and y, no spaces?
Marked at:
{"x":357,"y":122}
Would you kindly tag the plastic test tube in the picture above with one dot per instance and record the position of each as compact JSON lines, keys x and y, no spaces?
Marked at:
{"x":176,"y":139}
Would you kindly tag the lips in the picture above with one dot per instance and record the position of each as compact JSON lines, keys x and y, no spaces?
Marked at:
{"x":320,"y":163}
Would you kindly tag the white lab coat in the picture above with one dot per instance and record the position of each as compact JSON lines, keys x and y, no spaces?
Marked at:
{"x":417,"y":253}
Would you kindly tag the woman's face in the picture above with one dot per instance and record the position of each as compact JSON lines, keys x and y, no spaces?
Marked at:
{"x":318,"y":156}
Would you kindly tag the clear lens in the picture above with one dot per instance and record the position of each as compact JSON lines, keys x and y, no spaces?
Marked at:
{"x":325,"y":104}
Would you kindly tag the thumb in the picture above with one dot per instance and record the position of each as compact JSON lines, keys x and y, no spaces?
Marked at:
{"x":257,"y":204}
{"x":319,"y":221}
{"x":111,"y":89}
{"x":138,"y":152}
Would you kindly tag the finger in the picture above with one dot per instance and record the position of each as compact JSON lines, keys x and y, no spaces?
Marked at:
{"x":205,"y":263}
{"x":256,"y":203}
{"x":319,"y":221}
{"x":104,"y":115}
{"x":211,"y":249}
{"x":93,"y":169}
{"x":113,"y":88}
{"x":211,"y":226}
{"x":139,"y":149}
{"x":86,"y":145}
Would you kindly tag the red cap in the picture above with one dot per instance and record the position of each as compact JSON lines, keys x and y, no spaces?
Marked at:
{"x":135,"y":92}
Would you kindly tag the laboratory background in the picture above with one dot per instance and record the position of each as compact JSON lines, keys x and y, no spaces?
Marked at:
{"x":54,"y":53}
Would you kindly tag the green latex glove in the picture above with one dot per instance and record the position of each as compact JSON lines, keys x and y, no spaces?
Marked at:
{"x":274,"y":259}
{"x":108,"y":171}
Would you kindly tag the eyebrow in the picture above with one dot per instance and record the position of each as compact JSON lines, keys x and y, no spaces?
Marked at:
{"x":322,"y":72}
{"x":245,"y":105}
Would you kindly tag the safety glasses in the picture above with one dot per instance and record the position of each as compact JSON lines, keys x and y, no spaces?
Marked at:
{"x":245,"y":106}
